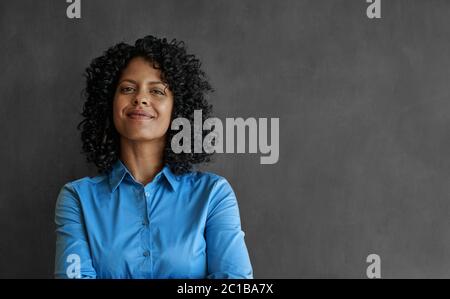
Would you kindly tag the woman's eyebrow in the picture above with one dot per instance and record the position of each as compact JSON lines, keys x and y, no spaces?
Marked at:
{"x":129,"y":80}
{"x":156,"y":82}
{"x":150,"y":82}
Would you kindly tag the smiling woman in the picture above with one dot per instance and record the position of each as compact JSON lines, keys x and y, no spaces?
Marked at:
{"x":147,"y":214}
{"x":142,"y":106}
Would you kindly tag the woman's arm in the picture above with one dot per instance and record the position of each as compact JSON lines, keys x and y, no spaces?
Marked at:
{"x":73,"y":256}
{"x":227,"y":254}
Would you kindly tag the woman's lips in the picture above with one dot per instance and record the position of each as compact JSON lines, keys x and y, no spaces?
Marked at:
{"x":139,"y":115}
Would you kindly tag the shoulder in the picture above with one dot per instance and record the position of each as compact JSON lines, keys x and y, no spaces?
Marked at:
{"x":209,"y":184}
{"x":75,"y":187}
{"x":89,"y":181}
{"x":218,"y":195}
{"x":204,"y":178}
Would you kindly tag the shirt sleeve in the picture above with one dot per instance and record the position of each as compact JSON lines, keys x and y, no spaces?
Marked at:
{"x":73,"y":257}
{"x":227,"y":255}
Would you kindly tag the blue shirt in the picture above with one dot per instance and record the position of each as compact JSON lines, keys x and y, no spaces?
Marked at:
{"x":177,"y":226}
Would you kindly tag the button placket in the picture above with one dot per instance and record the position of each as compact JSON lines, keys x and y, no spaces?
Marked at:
{"x":145,"y":194}
{"x":145,"y":221}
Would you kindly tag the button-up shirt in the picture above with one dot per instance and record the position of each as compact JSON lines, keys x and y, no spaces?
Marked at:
{"x":176,"y":226}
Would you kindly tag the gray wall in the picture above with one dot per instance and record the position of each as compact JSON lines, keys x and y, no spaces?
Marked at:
{"x":364,"y":124}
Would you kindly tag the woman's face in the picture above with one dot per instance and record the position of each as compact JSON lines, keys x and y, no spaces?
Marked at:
{"x":142,"y":105}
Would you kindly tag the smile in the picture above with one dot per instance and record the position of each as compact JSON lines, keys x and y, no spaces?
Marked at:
{"x":140,"y":115}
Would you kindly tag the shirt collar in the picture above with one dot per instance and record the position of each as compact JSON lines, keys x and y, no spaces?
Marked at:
{"x":119,"y":170}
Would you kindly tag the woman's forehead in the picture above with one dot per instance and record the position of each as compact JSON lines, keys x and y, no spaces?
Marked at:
{"x":140,"y":68}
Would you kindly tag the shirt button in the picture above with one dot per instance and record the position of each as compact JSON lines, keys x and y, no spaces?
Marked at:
{"x":147,"y":194}
{"x":144,"y":222}
{"x":146,"y":253}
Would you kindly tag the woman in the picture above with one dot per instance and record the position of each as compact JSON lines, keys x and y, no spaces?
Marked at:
{"x":147,"y":214}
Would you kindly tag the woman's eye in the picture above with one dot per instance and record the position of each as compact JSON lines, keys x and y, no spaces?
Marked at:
{"x":127,"y":89}
{"x":157,"y":91}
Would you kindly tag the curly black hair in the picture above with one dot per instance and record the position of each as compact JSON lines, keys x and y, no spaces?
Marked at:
{"x":181,"y":71}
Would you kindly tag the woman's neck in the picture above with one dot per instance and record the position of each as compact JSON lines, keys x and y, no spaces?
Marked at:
{"x":144,"y":159}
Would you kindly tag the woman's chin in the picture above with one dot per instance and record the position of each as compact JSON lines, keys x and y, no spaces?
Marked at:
{"x":142,"y":137}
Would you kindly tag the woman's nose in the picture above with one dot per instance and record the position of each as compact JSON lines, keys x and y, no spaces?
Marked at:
{"x":140,"y":99}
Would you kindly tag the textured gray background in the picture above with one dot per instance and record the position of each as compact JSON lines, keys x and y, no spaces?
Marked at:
{"x":364,"y":124}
